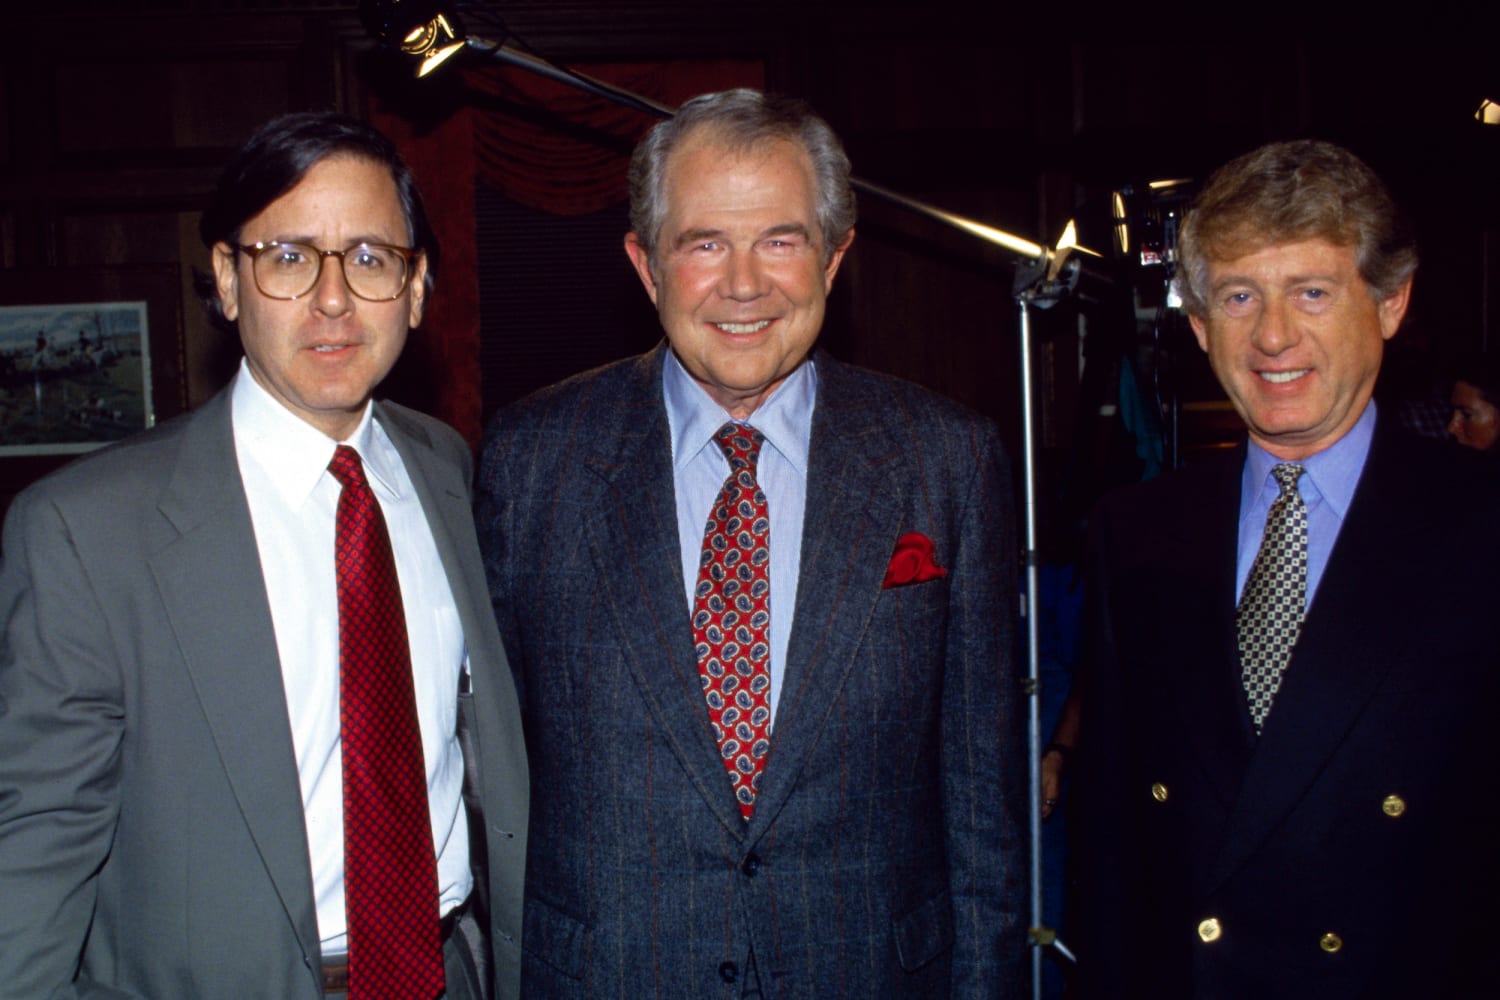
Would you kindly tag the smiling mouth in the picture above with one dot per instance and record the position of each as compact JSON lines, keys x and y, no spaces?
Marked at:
{"x":755,"y":327}
{"x":1280,"y":377}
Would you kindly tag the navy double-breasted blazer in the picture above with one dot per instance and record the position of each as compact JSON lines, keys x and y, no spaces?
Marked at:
{"x":1350,"y":850}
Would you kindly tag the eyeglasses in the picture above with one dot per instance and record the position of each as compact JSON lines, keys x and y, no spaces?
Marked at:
{"x":375,"y":272}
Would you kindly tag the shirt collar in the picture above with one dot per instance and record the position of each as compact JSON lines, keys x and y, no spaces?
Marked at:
{"x":784,"y":418}
{"x":1333,"y":472}
{"x":294,"y":453}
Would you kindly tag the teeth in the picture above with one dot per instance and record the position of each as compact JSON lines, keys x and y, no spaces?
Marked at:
{"x":744,"y":327}
{"x":1284,"y":376}
{"x":328,"y":347}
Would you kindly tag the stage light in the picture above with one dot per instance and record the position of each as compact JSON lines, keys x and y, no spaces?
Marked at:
{"x":423,"y":28}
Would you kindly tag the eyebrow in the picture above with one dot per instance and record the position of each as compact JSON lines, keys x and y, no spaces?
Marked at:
{"x":689,"y":236}
{"x":788,"y":229}
{"x":1295,"y":279}
{"x":352,"y":242}
{"x":696,"y":235}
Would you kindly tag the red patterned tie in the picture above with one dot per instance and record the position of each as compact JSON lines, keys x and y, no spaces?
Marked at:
{"x":390,"y":870}
{"x":732,"y":616}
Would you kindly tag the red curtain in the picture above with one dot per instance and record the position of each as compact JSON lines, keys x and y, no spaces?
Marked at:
{"x":543,"y":144}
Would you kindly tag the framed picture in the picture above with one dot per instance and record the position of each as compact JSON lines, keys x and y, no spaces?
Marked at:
{"x":87,"y":356}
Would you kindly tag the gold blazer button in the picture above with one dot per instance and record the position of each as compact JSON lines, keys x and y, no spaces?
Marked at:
{"x":1210,"y":931}
{"x":1330,"y":942}
{"x":1159,"y":792}
{"x":1393,"y":805}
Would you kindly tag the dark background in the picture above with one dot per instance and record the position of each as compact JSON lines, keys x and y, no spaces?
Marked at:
{"x":114,"y":119}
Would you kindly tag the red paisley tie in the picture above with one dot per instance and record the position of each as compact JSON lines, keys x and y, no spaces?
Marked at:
{"x":732,"y":616}
{"x":390,"y":870}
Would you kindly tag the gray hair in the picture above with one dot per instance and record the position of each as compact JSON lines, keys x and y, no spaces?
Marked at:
{"x":742,"y":120}
{"x":1290,"y":191}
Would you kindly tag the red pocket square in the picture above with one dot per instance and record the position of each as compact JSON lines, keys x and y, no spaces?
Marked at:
{"x":912,"y":562}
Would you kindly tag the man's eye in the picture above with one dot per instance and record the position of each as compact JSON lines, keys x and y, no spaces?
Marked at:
{"x":289,"y":257}
{"x":366,"y":258}
{"x":1238,"y":303}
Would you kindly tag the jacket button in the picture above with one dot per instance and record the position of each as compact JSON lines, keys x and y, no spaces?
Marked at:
{"x":1393,"y":805}
{"x":729,"y":972}
{"x":1330,"y":942}
{"x":1210,"y":931}
{"x":751,"y":865}
{"x":1159,"y":792}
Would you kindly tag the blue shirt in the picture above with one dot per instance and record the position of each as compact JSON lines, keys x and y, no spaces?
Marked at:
{"x":699,"y":469}
{"x":1326,"y":486}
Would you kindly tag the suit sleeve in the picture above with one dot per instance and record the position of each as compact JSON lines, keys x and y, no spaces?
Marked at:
{"x":983,"y":755}
{"x":493,"y":508}
{"x":62,"y":719}
{"x":1099,"y":818}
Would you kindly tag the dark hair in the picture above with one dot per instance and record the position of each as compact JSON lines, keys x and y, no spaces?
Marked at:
{"x":742,"y":120}
{"x":276,"y":158}
{"x":1290,"y":191}
{"x":1482,"y":371}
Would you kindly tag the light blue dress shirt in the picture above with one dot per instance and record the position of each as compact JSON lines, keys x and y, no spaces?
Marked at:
{"x":699,"y":469}
{"x":1327,"y":487}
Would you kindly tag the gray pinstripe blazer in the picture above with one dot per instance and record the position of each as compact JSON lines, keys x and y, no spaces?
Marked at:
{"x":884,"y":856}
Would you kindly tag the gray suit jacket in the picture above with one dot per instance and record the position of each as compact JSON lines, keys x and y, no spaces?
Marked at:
{"x":884,"y":856}
{"x":151,"y":829}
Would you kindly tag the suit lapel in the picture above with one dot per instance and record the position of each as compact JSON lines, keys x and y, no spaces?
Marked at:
{"x":1198,"y":598}
{"x":1336,"y":665}
{"x":211,"y":584}
{"x":444,"y":497}
{"x":853,"y":515}
{"x":632,"y":535}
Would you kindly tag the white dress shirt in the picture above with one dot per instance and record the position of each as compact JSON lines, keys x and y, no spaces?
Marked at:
{"x":293,"y":501}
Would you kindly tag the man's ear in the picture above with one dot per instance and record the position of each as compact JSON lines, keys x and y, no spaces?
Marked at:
{"x":1200,"y":330}
{"x":227,"y":280}
{"x":834,"y":260}
{"x":418,"y":287}
{"x":1392,"y":309}
{"x":641,"y":258}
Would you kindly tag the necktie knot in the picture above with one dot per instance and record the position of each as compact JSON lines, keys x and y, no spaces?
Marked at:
{"x":1286,"y":475}
{"x":741,"y":444}
{"x":347,"y":468}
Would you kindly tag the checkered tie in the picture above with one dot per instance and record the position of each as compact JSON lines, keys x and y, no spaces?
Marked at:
{"x":390,"y":870}
{"x":1270,"y":612}
{"x":732,"y":616}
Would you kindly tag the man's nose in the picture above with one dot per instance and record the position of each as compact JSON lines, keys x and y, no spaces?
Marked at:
{"x":1275,"y":328}
{"x":743,"y":277}
{"x":331,"y":294}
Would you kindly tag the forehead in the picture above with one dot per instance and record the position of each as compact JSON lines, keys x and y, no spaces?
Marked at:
{"x":1285,"y":260}
{"x":341,"y":195}
{"x":707,"y":175}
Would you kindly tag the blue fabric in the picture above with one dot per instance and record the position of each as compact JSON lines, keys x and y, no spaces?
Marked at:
{"x":1327,"y":487}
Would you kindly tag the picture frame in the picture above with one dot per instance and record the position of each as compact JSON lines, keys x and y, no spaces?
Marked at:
{"x":88,"y":356}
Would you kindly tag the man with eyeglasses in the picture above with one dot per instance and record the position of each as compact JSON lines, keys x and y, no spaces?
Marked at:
{"x":242,"y":651}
